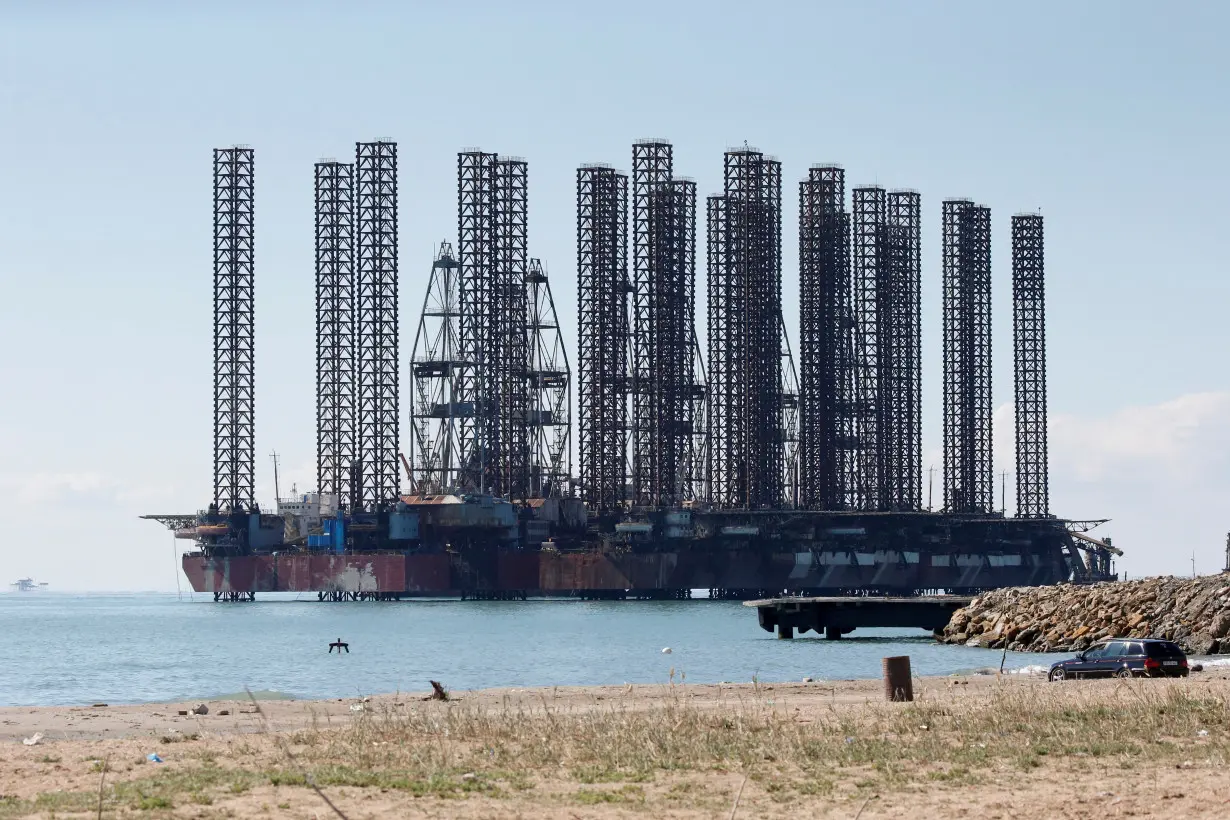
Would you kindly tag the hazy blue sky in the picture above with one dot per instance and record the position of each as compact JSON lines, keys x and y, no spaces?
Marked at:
{"x":1109,"y":116}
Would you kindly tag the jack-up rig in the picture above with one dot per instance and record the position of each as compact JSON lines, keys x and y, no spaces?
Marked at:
{"x":702,"y":463}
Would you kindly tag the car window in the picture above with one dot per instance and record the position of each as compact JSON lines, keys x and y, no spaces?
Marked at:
{"x":1095,"y":652}
{"x":1136,"y":648}
{"x":1163,"y":649}
{"x":1114,"y":650}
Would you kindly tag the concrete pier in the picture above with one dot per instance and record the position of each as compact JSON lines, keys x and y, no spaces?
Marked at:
{"x":840,"y":616}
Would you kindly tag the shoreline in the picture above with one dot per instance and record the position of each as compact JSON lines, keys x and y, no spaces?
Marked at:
{"x":1212,"y":664}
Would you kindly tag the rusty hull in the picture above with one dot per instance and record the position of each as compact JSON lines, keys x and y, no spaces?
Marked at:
{"x":553,"y":573}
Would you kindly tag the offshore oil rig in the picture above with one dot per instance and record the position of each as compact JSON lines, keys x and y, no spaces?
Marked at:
{"x":702,"y":464}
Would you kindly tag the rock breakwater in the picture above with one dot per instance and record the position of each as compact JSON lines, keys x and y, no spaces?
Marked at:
{"x":1194,"y":612}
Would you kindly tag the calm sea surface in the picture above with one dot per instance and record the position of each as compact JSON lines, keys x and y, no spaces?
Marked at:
{"x":60,"y":648}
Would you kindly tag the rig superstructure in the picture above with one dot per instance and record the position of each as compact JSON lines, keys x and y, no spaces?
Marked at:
{"x":716,"y":466}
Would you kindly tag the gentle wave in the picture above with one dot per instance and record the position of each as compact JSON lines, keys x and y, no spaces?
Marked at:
{"x":1032,"y":669}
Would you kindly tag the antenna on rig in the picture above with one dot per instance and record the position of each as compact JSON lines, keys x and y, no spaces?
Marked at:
{"x":277,"y":493}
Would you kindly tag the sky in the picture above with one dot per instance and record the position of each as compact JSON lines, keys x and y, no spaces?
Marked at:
{"x":1109,"y":117}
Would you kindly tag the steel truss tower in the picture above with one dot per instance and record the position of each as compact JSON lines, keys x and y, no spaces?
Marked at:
{"x":901,"y":332}
{"x":886,"y":304}
{"x":853,"y":388}
{"x":436,"y":369}
{"x":823,"y":333}
{"x":376,"y":328}
{"x":335,"y":343}
{"x":602,"y":319}
{"x":968,"y":484}
{"x":492,"y":253}
{"x":549,"y":418}
{"x":663,"y":345}
{"x":727,"y":339}
{"x":1029,"y":370}
{"x":681,"y":392}
{"x":478,"y":329}
{"x":234,"y":383}
{"x":510,"y":431}
{"x":747,"y":466}
{"x":871,"y":299}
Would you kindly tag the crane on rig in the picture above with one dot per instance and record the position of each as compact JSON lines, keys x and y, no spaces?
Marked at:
{"x":409,"y":473}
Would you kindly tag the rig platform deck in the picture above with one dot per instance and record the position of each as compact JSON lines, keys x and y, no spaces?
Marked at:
{"x":839,"y":616}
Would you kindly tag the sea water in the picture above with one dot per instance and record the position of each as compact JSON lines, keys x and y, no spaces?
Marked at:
{"x":61,"y":648}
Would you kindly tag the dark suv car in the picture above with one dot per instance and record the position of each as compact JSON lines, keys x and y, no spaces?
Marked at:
{"x":1124,"y":658}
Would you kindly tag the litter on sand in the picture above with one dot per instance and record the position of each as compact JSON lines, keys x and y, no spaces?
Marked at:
{"x":153,"y":757}
{"x":33,"y":740}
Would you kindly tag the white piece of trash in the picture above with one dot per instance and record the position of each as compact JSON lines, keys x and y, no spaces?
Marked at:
{"x":1202,"y":733}
{"x":356,"y":707}
{"x":33,"y":740}
{"x":666,"y":650}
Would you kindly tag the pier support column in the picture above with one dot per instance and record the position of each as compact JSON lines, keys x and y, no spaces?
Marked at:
{"x":832,"y":633}
{"x":785,"y":631}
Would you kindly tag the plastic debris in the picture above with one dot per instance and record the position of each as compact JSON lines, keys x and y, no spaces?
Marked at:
{"x":807,"y":680}
{"x":666,"y":650}
{"x":356,"y":707}
{"x":153,"y":757}
{"x":33,"y":740}
{"x":1202,"y":733}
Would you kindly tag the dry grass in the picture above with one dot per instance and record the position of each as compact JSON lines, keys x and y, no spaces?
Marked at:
{"x":612,"y":754}
{"x":617,"y":745}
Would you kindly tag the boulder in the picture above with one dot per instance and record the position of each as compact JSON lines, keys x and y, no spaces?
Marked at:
{"x":1201,"y":643}
{"x":1219,"y":626}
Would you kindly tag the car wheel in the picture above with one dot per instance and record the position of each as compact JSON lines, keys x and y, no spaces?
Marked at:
{"x":1057,"y":675}
{"x":1124,"y":673}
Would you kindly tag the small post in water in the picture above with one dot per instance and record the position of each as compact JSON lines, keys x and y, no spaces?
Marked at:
{"x":898,"y":684}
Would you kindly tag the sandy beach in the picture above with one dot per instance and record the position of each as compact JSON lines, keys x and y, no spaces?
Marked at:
{"x":976,"y":746}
